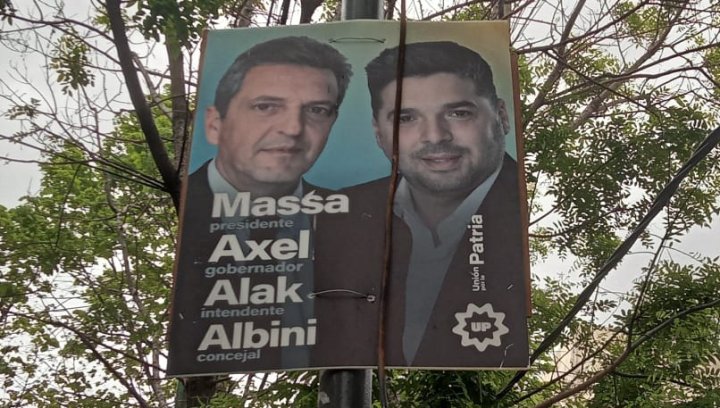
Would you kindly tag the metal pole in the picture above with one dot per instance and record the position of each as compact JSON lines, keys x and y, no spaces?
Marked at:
{"x":345,"y":389}
{"x":350,"y":388}
{"x":362,"y":9}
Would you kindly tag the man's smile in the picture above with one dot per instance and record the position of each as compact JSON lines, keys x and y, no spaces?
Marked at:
{"x":441,"y":161}
{"x":281,"y":149}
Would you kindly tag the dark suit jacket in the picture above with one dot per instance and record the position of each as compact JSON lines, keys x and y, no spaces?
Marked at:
{"x":192,"y":287}
{"x":353,"y":259}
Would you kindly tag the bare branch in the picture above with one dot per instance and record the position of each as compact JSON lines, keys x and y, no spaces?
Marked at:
{"x":628,"y":351}
{"x":157,"y":148}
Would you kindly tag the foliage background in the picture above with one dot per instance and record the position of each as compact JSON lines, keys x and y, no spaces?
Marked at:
{"x":616,"y":97}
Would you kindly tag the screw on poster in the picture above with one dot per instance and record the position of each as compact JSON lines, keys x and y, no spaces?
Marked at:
{"x":283,"y":223}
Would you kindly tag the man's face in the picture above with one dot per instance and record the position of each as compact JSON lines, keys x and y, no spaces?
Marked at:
{"x":275,"y":127}
{"x":450,"y":138}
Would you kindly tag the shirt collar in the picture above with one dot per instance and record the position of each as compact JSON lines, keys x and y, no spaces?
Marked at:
{"x":452,"y":227}
{"x":218,"y":184}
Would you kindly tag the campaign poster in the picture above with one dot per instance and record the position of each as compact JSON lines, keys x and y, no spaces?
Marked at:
{"x":285,"y":215}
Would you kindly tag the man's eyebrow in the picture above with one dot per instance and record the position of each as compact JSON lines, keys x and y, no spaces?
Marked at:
{"x":267,"y":98}
{"x":321,"y":102}
{"x":460,"y":104}
{"x":270,"y":98}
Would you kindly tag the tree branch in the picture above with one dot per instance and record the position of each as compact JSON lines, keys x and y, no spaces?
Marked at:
{"x":91,"y":345}
{"x":662,"y":199}
{"x":625,"y":354}
{"x":180,"y":109}
{"x":596,"y":102}
{"x":147,"y":124}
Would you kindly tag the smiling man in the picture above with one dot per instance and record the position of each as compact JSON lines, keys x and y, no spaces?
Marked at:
{"x":452,"y":129}
{"x":457,"y":262}
{"x":451,"y":140}
{"x":245,"y":263}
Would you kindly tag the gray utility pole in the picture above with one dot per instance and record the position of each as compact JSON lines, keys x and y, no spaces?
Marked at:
{"x":350,"y":388}
{"x":362,"y":9}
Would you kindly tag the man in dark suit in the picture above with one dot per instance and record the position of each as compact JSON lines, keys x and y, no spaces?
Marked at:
{"x":457,"y":288}
{"x":273,"y":111}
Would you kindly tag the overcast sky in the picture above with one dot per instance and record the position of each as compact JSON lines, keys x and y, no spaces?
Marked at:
{"x":17,"y":180}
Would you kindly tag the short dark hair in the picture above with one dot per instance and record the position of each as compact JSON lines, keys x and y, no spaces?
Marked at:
{"x":302,"y":51}
{"x":428,"y":58}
